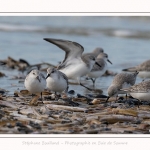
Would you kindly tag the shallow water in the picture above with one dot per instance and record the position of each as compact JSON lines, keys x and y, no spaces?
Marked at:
{"x":124,"y":39}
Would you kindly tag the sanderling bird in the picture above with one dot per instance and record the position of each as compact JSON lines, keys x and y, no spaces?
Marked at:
{"x":143,"y":69}
{"x":74,"y":65}
{"x":120,"y":81}
{"x":56,"y":81}
{"x":35,"y":82}
{"x":140,"y":91}
{"x":98,"y":71}
{"x":95,"y":52}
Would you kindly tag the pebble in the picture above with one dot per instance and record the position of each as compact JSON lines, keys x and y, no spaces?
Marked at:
{"x":80,"y":96}
{"x":24,"y":130}
{"x":35,"y":125}
{"x":68,"y":121}
{"x":145,"y":103}
{"x":72,"y":92}
{"x":2,"y":92}
{"x":101,"y":96}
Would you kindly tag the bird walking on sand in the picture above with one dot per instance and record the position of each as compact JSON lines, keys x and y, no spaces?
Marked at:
{"x":120,"y":81}
{"x":74,"y":65}
{"x":35,"y":82}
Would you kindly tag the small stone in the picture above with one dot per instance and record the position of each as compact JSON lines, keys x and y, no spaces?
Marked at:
{"x":2,"y":92}
{"x":71,"y":92}
{"x":100,"y":96}
{"x":19,"y":124}
{"x":80,"y":96}
{"x":106,"y":104}
{"x":129,"y":102}
{"x":53,"y":96}
{"x":24,"y":130}
{"x":120,"y":98}
{"x":90,"y":95}
{"x":35,"y":125}
{"x":2,"y":74}
{"x":107,"y":129}
{"x":9,"y":125}
{"x":121,"y":101}
{"x":138,"y":122}
{"x":145,"y":103}
{"x":90,"y":103}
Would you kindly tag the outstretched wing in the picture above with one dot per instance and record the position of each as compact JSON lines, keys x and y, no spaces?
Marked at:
{"x":72,"y":49}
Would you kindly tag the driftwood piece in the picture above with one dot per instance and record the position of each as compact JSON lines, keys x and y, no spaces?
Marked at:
{"x":123,"y":129}
{"x":61,"y":107}
{"x":39,"y":116}
{"x":117,"y":118}
{"x":129,"y":112}
{"x":19,"y":118}
{"x":8,"y":104}
{"x":144,"y":114}
{"x":34,"y":101}
{"x":93,"y":131}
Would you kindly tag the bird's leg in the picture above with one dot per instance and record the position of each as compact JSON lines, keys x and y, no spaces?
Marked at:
{"x":32,"y":95}
{"x":138,"y":103}
{"x":83,"y":85}
{"x":116,"y":98}
{"x":41,"y":98}
{"x":87,"y":78}
{"x":93,"y":80}
{"x":56,"y":96}
{"x":107,"y":99}
{"x":66,"y":91}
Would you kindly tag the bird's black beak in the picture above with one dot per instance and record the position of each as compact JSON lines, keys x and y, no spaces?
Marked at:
{"x":48,"y":76}
{"x":136,"y":72}
{"x":98,"y":64}
{"x":38,"y":78}
{"x":107,"y":99}
{"x":109,"y":61}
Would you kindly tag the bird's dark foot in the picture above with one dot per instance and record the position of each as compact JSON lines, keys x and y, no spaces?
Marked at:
{"x":87,"y":78}
{"x":40,"y":99}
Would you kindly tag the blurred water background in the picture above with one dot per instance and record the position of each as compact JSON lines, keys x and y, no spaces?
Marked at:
{"x":125,"y":39}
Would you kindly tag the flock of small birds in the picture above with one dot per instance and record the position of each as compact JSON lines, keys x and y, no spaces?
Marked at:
{"x":58,"y":109}
{"x":77,"y":64}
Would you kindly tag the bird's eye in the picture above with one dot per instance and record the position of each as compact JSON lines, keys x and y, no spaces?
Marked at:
{"x":53,"y":71}
{"x":33,"y":73}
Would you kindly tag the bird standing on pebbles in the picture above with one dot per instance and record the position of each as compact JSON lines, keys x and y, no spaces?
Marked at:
{"x":98,"y":71}
{"x":120,"y":81}
{"x":140,"y":91}
{"x":56,"y":81}
{"x":35,"y":82}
